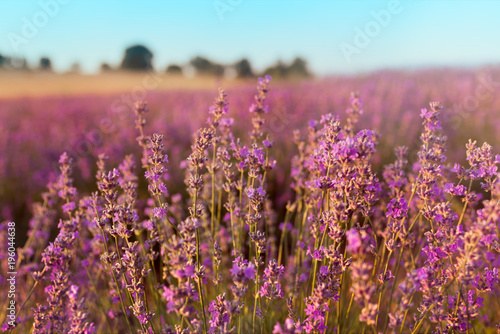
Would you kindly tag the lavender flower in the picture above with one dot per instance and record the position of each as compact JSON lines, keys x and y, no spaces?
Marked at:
{"x":271,"y":287}
{"x":242,"y":272}
{"x":414,"y":250}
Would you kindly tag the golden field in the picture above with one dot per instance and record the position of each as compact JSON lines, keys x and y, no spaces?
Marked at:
{"x":36,"y":84}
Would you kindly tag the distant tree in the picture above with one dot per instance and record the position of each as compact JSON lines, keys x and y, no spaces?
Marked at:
{"x":201,"y":65}
{"x":298,"y":68}
{"x":137,"y":57}
{"x":279,"y":70}
{"x":45,"y":64}
{"x":204,"y":66}
{"x":105,"y":67}
{"x":243,"y":69}
{"x":218,"y":70}
{"x":174,"y":69}
{"x":17,"y":64}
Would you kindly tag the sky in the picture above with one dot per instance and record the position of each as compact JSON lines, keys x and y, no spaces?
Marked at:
{"x":334,"y":36}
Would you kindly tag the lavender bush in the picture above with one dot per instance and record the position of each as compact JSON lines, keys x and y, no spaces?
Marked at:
{"x":35,"y":131}
{"x":413,"y":248}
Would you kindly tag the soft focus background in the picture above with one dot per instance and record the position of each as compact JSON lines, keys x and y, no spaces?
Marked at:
{"x":70,"y":72}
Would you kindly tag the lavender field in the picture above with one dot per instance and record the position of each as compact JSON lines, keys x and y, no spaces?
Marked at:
{"x":356,"y":204}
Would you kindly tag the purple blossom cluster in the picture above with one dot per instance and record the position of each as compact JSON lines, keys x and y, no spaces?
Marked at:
{"x":218,"y":245}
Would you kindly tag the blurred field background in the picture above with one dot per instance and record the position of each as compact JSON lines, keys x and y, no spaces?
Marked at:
{"x":45,"y":114}
{"x":35,"y":84}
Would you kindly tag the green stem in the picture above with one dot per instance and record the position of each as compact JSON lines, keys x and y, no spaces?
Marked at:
{"x":213,"y":192}
{"x":349,"y":308}
{"x":393,"y":286}
{"x":406,"y":314}
{"x":415,"y":330}
{"x":99,"y":301}
{"x":124,"y":309}
{"x":283,"y":233}
{"x":256,"y":292}
{"x":200,"y":287}
{"x":232,"y":231}
{"x":316,"y":244}
{"x":382,"y":286}
{"x":339,"y":302}
{"x":29,"y":295}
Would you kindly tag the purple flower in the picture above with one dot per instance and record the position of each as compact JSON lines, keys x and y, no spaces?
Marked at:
{"x":316,"y":308}
{"x":227,"y":122}
{"x":267,"y":143}
{"x":487,"y":281}
{"x":148,"y":225}
{"x":70,"y":206}
{"x":313,"y":123}
{"x":324,"y":183}
{"x":271,"y":287}
{"x":187,"y":272}
{"x":353,"y":240}
{"x":160,"y":213}
{"x":315,"y":254}
{"x":152,"y":176}
{"x":458,"y":190}
{"x":290,"y":327}
{"x":397,"y":209}
{"x":242,"y":270}
{"x":271,"y":291}
{"x":220,"y":314}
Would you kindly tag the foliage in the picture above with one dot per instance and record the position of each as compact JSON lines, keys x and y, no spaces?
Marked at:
{"x":204,"y":66}
{"x":174,"y":69}
{"x":45,"y":64}
{"x":137,"y":57}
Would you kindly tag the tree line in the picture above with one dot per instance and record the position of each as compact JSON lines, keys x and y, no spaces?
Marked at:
{"x":140,"y":58}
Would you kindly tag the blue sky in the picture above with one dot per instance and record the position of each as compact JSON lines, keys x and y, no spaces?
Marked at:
{"x":418,"y":33}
